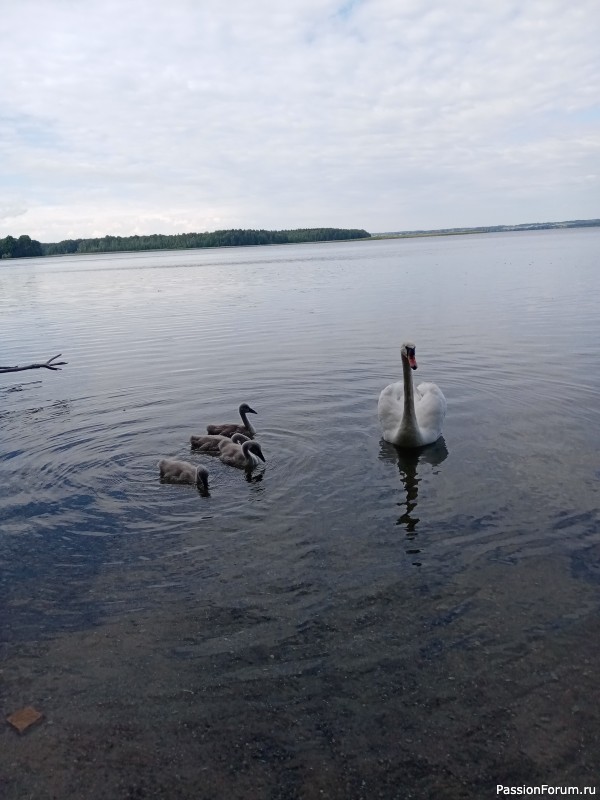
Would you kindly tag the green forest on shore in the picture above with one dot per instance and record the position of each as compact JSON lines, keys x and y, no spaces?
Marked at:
{"x":25,"y":247}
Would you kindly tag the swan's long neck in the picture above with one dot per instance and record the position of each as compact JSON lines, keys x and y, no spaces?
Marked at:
{"x":409,"y":426}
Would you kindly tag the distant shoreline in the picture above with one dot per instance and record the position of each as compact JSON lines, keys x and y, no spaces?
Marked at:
{"x":528,"y":226}
{"x":174,"y":242}
{"x":25,"y":247}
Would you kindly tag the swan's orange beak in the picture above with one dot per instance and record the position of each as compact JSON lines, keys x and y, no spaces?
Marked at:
{"x":412,"y":361}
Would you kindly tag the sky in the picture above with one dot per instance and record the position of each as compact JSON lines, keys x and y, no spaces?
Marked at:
{"x":131,"y":117}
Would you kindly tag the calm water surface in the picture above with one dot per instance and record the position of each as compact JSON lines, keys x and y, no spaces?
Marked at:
{"x":352,"y":621}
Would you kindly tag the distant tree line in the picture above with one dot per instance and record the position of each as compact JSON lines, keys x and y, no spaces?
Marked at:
{"x":23,"y":247}
{"x":528,"y":226}
{"x":225,"y":238}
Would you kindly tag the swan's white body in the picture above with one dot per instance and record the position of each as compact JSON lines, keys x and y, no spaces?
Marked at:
{"x":174,"y":471}
{"x":244,"y":456}
{"x":411,"y":416}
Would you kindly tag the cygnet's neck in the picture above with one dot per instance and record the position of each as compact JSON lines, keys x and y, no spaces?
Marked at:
{"x":246,"y":422}
{"x":251,"y":459}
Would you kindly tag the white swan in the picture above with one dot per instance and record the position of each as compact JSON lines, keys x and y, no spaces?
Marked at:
{"x":228,"y":429}
{"x":210,"y":443}
{"x":409,"y":416}
{"x":174,"y":471}
{"x":244,"y":456}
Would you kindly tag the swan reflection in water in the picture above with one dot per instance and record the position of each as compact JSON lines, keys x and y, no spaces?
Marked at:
{"x":408,"y":461}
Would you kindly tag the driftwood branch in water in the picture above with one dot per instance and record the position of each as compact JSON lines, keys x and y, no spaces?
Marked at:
{"x":50,"y":364}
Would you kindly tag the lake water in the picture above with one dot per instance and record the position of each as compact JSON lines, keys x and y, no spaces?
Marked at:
{"x":352,"y":621}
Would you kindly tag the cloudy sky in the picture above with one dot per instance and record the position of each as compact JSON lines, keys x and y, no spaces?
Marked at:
{"x":167,"y":116}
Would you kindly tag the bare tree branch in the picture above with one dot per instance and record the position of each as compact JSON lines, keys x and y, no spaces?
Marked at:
{"x":50,"y":364}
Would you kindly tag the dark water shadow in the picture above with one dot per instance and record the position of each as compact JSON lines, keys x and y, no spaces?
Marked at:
{"x":408,"y":462}
{"x":199,"y":489}
{"x":254,"y":476}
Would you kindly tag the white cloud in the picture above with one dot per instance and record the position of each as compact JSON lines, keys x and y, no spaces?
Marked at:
{"x":11,"y":211}
{"x":386,"y":114}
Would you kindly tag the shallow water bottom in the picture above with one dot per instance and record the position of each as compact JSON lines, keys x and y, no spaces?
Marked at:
{"x":412,"y":690}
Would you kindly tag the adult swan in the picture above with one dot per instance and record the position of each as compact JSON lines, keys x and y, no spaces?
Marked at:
{"x":409,"y":416}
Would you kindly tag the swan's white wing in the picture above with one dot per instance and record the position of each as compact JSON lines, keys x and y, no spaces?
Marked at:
{"x":390,"y":409}
{"x":430,"y":408}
